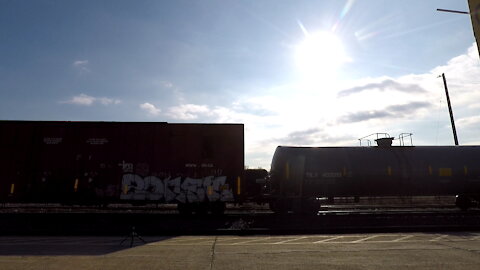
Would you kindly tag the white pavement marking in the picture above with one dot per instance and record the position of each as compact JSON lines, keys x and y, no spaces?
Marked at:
{"x":253,"y":240}
{"x":221,"y":241}
{"x":224,"y":239}
{"x":438,"y":238}
{"x":403,"y":238}
{"x":271,"y":240}
{"x":328,"y":239}
{"x":364,"y":239}
{"x":289,"y":240}
{"x":206,"y":242}
{"x":185,"y":239}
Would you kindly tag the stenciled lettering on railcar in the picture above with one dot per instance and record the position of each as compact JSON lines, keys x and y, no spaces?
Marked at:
{"x":323,"y":175}
{"x":97,"y":141}
{"x":203,"y":165}
{"x":207,"y":165}
{"x":52,"y":140}
{"x":331,"y":174}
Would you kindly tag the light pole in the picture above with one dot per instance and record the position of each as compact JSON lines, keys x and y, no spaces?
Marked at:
{"x":453,"y":11}
{"x":474,"y":7}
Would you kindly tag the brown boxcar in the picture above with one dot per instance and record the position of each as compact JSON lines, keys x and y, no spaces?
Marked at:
{"x":105,"y":162}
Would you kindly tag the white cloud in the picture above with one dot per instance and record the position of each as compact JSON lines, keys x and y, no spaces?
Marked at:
{"x":82,"y":99}
{"x":86,"y":100}
{"x":188,"y":111}
{"x":107,"y":101}
{"x":150,"y":108}
{"x":81,"y":65}
{"x":167,"y":84}
{"x":468,"y":122}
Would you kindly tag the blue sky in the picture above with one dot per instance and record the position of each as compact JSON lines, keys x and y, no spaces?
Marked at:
{"x":238,"y":61}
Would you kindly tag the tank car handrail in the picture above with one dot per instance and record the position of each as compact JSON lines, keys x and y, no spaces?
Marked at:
{"x":385,"y":135}
{"x":402,"y":136}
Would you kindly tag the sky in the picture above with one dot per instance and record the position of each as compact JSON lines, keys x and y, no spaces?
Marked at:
{"x":303,"y":73}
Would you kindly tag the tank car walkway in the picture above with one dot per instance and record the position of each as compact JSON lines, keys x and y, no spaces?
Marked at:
{"x":457,"y":250}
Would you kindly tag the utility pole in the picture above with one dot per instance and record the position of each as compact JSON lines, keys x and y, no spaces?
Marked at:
{"x":450,"y":109}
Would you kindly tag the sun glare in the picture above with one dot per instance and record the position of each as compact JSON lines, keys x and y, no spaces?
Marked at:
{"x":320,"y":54}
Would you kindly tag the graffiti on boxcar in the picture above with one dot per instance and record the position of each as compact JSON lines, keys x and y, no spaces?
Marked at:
{"x":210,"y":188}
{"x":126,"y":167}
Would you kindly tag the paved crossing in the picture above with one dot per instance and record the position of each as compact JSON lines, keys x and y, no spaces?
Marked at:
{"x":246,"y":240}
{"x":449,"y":250}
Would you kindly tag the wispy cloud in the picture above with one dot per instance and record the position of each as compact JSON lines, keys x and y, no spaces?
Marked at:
{"x":302,"y":137}
{"x":188,"y":111}
{"x":388,"y":84}
{"x":81,"y":99}
{"x":255,"y":105}
{"x":393,"y":111}
{"x":107,"y":101}
{"x":86,"y":100}
{"x":150,"y":108}
{"x":469,"y":121}
{"x":81,"y":65}
{"x":167,"y":84}
{"x":312,"y":136}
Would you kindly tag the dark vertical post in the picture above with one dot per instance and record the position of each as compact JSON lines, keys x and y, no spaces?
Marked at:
{"x":450,"y":110}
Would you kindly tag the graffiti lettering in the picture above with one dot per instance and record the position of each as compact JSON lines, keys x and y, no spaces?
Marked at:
{"x":126,"y":167}
{"x":152,"y":188}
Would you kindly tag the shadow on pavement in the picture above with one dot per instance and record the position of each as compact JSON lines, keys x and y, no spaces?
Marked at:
{"x":70,"y":245}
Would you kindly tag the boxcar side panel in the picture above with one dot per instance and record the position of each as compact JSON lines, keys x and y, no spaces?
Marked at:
{"x":101,"y":162}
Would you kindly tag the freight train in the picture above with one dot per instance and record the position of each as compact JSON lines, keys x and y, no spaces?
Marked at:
{"x":200,"y":167}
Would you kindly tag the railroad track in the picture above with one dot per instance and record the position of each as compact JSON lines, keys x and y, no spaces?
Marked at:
{"x":340,"y":221}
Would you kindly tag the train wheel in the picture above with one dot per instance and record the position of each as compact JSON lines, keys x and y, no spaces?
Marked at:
{"x":463,"y":202}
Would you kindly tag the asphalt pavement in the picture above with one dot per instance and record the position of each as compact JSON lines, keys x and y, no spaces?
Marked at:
{"x":448,"y":250}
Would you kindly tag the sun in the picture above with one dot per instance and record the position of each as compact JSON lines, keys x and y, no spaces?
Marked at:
{"x":320,"y":54}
